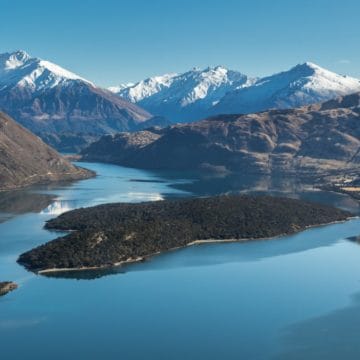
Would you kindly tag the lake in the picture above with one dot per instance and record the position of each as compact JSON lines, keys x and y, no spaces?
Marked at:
{"x":296,"y":297}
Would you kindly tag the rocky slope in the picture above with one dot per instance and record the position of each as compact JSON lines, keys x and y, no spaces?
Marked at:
{"x":46,"y":98}
{"x":309,"y":140}
{"x":25,"y":159}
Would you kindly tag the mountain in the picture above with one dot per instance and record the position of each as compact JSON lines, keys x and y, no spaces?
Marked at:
{"x":304,"y":84}
{"x":183,"y":97}
{"x":48,"y":99}
{"x":198,"y":94}
{"x":25,"y":159}
{"x":309,"y":140}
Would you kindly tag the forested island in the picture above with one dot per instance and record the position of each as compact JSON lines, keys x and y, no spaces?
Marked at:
{"x":6,"y":287}
{"x":112,"y":234}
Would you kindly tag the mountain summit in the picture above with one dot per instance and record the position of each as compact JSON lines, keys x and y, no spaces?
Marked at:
{"x":48,"y":99}
{"x":186,"y":96}
{"x":20,"y":69}
{"x":303,"y":84}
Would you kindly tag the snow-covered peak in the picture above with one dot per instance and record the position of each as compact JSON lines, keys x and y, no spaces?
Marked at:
{"x":307,"y":65}
{"x":185,"y":88}
{"x":13,"y":60}
{"x":59,"y":71}
{"x":117,"y":89}
{"x":312,"y":78}
{"x":143,"y":89}
{"x":19,"y":69}
{"x":303,"y":84}
{"x":187,"y":95}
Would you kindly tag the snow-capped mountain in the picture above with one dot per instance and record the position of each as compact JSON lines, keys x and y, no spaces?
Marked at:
{"x":46,"y":98}
{"x":19,"y":69}
{"x":117,"y":89}
{"x":184,"y":97}
{"x":303,"y":84}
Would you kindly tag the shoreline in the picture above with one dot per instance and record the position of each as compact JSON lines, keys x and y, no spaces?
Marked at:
{"x":192,"y":243}
{"x":83,"y":173}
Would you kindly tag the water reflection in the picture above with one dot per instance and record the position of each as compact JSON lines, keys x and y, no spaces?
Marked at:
{"x":300,"y":188}
{"x":207,"y":184}
{"x":21,"y":202}
{"x":331,"y":336}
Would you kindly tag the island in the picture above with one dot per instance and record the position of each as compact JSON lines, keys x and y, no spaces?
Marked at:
{"x":113,"y":234}
{"x":6,"y":287}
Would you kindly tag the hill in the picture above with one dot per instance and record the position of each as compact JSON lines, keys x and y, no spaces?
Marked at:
{"x":25,"y":159}
{"x":308,"y":140}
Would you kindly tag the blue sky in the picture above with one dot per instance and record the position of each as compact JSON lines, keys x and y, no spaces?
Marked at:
{"x":110,"y":42}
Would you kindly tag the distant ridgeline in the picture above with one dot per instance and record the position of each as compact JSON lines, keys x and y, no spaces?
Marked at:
{"x":310,"y":140}
{"x":112,"y":234}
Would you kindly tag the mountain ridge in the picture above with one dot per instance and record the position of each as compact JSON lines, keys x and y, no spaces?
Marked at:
{"x":46,"y":98}
{"x":185,"y":96}
{"x":309,"y":140}
{"x":303,"y":84}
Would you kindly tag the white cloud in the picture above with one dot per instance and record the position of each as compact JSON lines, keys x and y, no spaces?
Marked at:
{"x":344,"y":61}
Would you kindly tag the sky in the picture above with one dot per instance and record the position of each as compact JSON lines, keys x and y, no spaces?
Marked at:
{"x":117,"y":41}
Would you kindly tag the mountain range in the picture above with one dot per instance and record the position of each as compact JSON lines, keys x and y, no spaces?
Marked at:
{"x":184,"y":97}
{"x":69,"y":112}
{"x":309,"y":140}
{"x":48,"y":99}
{"x":197,"y":94}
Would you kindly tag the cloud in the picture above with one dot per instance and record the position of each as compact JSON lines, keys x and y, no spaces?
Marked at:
{"x":344,"y":61}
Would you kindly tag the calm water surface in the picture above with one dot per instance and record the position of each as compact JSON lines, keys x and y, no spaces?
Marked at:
{"x":291,"y":298}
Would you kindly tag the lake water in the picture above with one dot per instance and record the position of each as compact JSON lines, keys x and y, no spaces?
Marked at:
{"x":296,"y":297}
